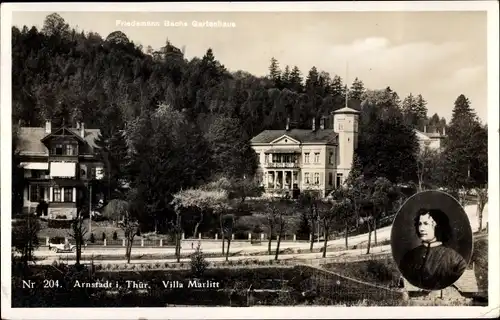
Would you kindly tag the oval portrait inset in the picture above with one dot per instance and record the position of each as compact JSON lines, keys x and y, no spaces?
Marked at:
{"x":431,"y":240}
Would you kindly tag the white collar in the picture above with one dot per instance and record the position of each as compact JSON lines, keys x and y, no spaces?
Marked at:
{"x":432,"y":244}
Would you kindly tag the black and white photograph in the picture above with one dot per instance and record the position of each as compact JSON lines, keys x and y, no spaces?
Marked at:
{"x":195,"y":160}
{"x":432,"y":240}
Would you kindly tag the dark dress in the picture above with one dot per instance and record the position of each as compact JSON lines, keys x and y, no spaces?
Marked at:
{"x":432,"y":268}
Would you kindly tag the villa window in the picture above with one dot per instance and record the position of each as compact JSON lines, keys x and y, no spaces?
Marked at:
{"x":330,"y":178}
{"x":266,"y":158}
{"x":316,"y":157}
{"x":69,"y":150}
{"x":34,"y":193}
{"x":57,"y":195}
{"x":339,"y":179}
{"x":330,"y":158}
{"x":306,"y":157}
{"x":316,"y":178}
{"x":68,"y":194}
{"x":306,"y":178}
{"x":58,"y":149}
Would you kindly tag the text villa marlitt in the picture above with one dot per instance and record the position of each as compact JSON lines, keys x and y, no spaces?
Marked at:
{"x":197,"y":284}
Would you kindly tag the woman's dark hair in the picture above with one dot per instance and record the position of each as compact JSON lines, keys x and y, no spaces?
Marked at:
{"x":442,"y":230}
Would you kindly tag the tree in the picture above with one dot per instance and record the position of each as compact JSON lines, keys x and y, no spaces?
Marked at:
{"x":212,"y":196}
{"x":296,"y":80}
{"x":126,"y":213}
{"x":117,"y":37}
{"x":341,"y":211}
{"x":54,"y":25}
{"x":274,"y":71}
{"x":281,"y":223}
{"x":357,"y":90}
{"x":25,"y":237}
{"x":482,"y":199}
{"x":232,"y":154}
{"x":227,"y":224}
{"x":465,"y":149}
{"x":382,"y":195}
{"x":308,"y":202}
{"x":304,"y":229}
{"x":427,"y":167}
{"x":414,"y":110}
{"x":388,"y":148}
{"x":78,"y":232}
{"x":272,"y":213}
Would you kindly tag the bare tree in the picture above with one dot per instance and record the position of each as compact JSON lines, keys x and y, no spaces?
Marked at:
{"x":281,"y":223}
{"x":78,"y":232}
{"x":227,"y":227}
{"x":482,"y":199}
{"x":271,"y":217}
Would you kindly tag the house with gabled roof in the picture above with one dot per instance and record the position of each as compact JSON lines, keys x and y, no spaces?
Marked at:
{"x":431,"y":140}
{"x":60,"y":166}
{"x":317,"y":159}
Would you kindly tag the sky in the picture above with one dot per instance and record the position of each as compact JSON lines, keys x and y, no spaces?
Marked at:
{"x":437,"y":54}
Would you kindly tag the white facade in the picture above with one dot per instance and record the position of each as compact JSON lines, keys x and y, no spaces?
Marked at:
{"x":433,"y":141}
{"x":296,"y":160}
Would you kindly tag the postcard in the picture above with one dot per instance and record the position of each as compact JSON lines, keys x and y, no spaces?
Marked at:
{"x":249,"y":160}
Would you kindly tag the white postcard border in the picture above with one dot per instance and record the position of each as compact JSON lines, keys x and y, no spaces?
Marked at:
{"x":255,"y":312}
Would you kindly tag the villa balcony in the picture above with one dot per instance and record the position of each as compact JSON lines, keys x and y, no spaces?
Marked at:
{"x":282,"y":165}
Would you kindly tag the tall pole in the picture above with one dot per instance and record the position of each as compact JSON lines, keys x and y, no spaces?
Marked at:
{"x":318,"y":229}
{"x":90,"y":207}
{"x":346,"y":86}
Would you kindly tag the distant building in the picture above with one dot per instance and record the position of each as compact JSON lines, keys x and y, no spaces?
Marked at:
{"x":432,"y":140}
{"x":317,"y":159}
{"x":59,"y":166}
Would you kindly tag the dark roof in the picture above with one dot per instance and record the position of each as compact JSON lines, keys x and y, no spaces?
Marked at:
{"x":30,"y":140}
{"x":302,"y":135}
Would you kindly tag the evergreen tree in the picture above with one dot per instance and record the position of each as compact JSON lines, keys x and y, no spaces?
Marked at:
{"x":296,"y":80}
{"x":274,"y":71}
{"x":465,"y":148}
{"x":357,"y":90}
{"x":285,"y":77}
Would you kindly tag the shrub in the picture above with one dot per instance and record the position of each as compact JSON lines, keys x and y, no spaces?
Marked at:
{"x":198,"y":262}
{"x":115,"y":235}
{"x":92,"y":238}
{"x":166,"y":265}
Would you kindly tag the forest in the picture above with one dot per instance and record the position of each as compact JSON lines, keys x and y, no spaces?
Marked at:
{"x":170,"y":124}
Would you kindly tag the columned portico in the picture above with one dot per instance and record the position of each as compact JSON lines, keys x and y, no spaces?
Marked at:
{"x":281,"y":179}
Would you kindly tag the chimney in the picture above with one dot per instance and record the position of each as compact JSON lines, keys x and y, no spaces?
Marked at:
{"x":82,"y":129}
{"x":314,"y":124}
{"x":287,"y":123}
{"x":48,"y":126}
{"x":322,"y":123}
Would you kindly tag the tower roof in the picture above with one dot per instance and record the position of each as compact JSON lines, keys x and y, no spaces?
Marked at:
{"x":346,"y":110}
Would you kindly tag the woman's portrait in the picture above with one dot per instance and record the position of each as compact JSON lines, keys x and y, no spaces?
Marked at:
{"x":431,"y":244}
